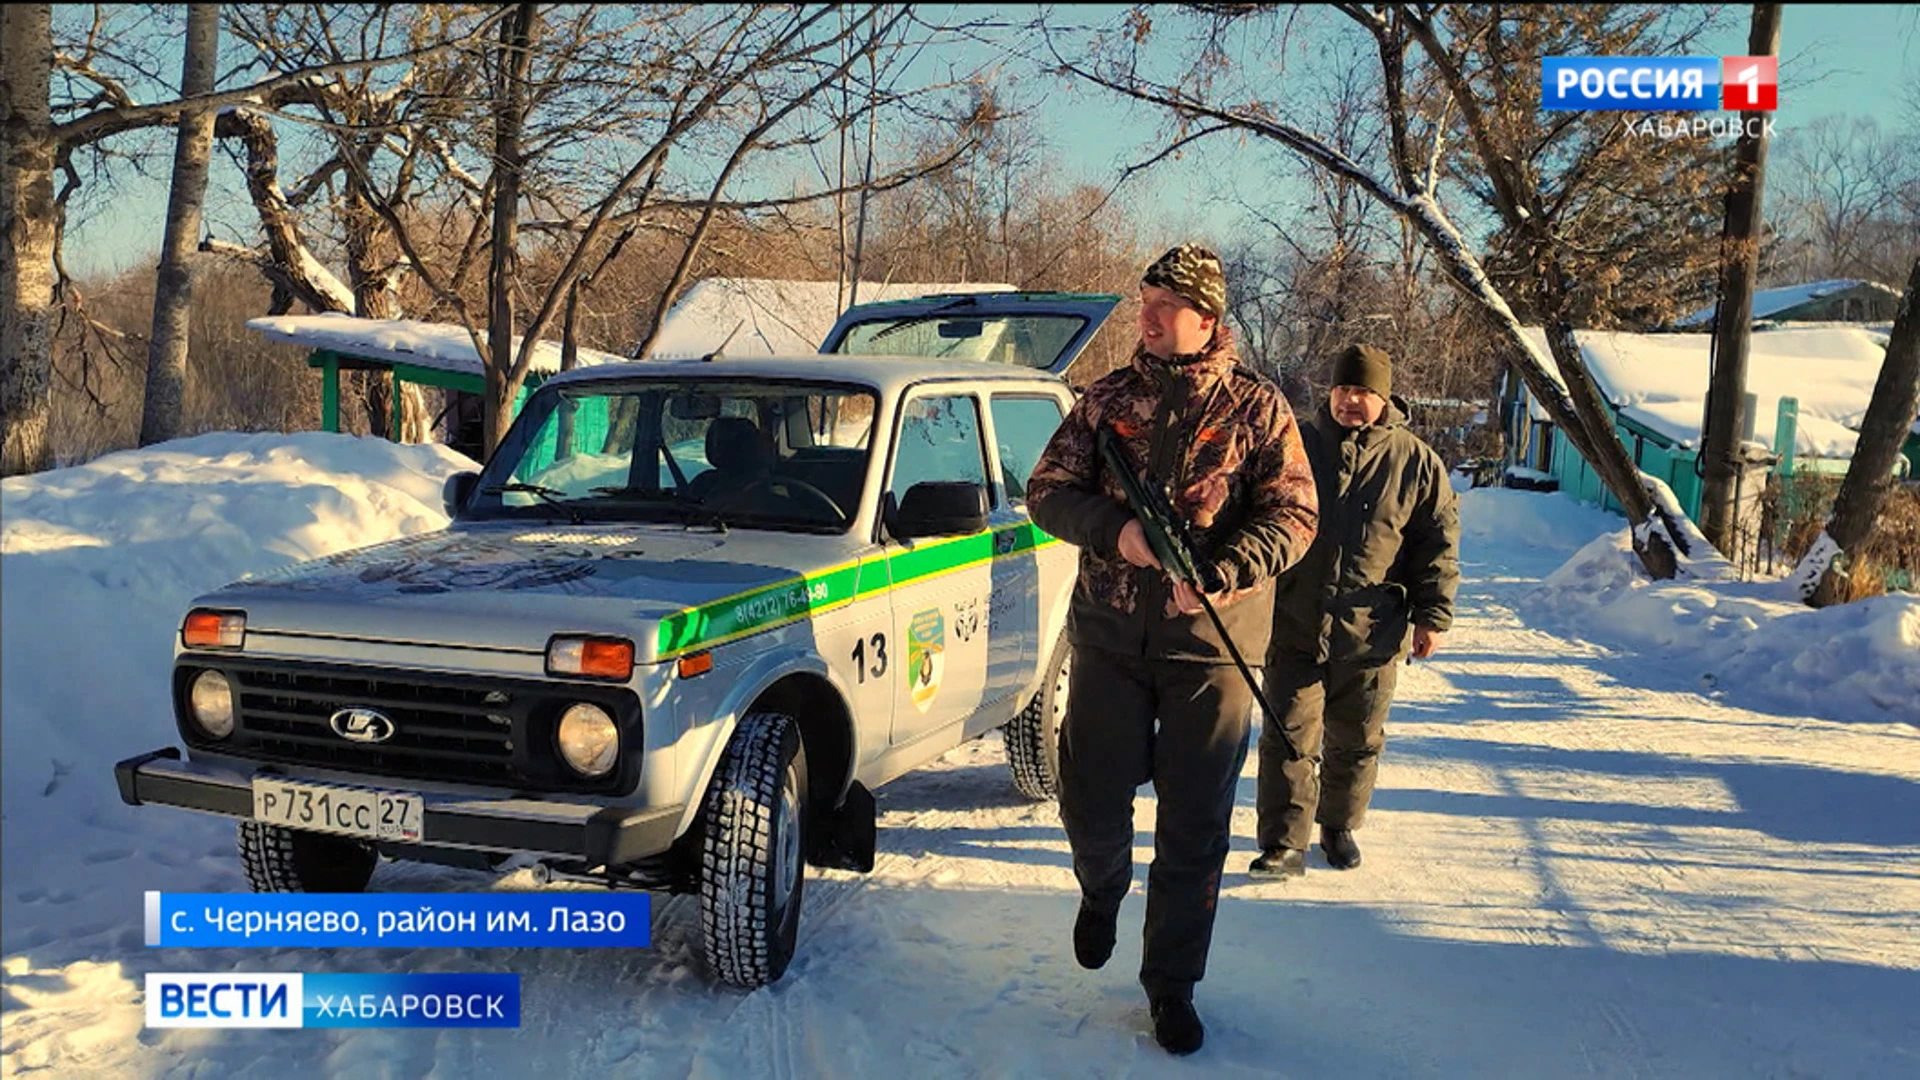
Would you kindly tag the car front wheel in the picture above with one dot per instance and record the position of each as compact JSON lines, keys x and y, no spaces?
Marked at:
{"x":277,"y":859}
{"x":1033,"y":737}
{"x":751,"y":865}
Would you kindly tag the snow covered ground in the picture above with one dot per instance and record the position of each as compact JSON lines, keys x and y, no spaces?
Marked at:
{"x":1584,"y":858}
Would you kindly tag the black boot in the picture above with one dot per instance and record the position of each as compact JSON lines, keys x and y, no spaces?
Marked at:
{"x":1279,"y":863}
{"x":1093,"y":934}
{"x":1176,"y":1027}
{"x":1341,"y":849}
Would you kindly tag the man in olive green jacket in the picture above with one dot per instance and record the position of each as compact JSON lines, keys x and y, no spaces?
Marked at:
{"x":1384,"y":565}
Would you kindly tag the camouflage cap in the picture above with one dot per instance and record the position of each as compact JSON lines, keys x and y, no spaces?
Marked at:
{"x":1194,"y":272}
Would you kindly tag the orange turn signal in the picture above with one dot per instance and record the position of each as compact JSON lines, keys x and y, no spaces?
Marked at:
{"x":214,"y":629}
{"x":600,"y":658}
{"x":696,"y":664}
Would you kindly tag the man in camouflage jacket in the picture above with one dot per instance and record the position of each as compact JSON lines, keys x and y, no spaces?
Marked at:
{"x":1153,"y":694}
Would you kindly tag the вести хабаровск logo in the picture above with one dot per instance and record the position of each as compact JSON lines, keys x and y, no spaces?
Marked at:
{"x":232,"y":999}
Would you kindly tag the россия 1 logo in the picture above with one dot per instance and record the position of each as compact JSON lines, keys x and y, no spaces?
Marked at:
{"x":1660,"y":83}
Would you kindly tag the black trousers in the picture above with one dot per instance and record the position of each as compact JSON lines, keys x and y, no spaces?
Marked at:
{"x":1183,"y":726}
{"x":1336,"y":714}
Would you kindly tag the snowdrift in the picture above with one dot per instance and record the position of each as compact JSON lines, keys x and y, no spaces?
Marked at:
{"x":1607,"y":843}
{"x":1748,"y":642}
{"x":99,"y":562}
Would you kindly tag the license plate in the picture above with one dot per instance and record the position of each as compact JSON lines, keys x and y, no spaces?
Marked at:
{"x":362,"y":812}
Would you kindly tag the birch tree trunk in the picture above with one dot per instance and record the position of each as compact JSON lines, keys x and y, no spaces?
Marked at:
{"x":27,"y":235}
{"x":160,"y":415}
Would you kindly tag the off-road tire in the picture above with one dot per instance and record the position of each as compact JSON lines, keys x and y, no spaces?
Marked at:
{"x":1033,"y":737}
{"x":752,"y":854}
{"x":289,"y":860}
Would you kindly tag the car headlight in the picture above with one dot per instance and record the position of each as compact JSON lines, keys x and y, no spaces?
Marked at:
{"x":589,"y":740}
{"x":210,"y":702}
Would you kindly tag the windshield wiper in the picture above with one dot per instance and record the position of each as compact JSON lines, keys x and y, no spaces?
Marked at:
{"x":931,"y":316}
{"x":546,"y":494}
{"x":695,"y":510}
{"x":902,"y":325}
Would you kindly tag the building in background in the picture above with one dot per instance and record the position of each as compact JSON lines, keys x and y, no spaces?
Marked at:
{"x":1655,"y":386}
{"x":1840,"y":300}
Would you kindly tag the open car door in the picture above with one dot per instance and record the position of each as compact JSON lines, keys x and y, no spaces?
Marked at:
{"x":1043,"y":331}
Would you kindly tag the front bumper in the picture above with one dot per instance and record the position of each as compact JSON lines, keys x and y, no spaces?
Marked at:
{"x":601,"y":836}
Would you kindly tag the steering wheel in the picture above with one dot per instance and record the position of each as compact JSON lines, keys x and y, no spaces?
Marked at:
{"x":794,"y":484}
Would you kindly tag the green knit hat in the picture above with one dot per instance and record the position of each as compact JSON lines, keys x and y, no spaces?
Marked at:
{"x":1195,"y":273}
{"x":1364,"y":365}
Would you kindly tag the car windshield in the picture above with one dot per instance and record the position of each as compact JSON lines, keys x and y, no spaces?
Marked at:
{"x":711,"y":452}
{"x":1034,"y":341}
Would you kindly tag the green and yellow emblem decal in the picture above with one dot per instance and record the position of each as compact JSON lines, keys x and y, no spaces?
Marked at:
{"x":926,"y":656}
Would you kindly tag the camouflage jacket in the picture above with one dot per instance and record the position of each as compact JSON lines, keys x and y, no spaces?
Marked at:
{"x":1225,"y":442}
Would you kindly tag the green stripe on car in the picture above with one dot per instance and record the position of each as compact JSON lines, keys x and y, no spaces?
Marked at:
{"x":771,"y":606}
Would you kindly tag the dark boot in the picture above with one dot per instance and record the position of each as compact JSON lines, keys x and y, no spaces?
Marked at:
{"x":1093,"y":934}
{"x":1279,"y":863}
{"x":1176,"y":1027}
{"x":1341,"y":849}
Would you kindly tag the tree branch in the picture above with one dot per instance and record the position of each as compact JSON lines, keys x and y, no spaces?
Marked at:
{"x":98,"y":125}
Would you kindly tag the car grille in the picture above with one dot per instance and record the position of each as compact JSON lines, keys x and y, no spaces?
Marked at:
{"x":437,"y":728}
{"x":448,"y":728}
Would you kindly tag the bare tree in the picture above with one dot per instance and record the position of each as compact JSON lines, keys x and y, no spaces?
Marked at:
{"x":1849,"y":203}
{"x":1553,"y":190}
{"x":93,"y":107}
{"x":1890,"y":414}
{"x":712,"y":85}
{"x":517,"y":35}
{"x":173,"y":294}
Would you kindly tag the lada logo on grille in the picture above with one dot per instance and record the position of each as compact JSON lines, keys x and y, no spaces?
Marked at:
{"x":361,"y":725}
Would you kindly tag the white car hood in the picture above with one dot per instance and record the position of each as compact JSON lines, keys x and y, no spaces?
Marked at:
{"x":511,"y":586}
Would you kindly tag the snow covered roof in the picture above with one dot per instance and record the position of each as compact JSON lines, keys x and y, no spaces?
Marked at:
{"x":1660,"y":381}
{"x":442,"y":346}
{"x":774,"y":317}
{"x":1768,"y":302}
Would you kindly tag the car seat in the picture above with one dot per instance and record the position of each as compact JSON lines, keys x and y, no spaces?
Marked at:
{"x":741,"y":455}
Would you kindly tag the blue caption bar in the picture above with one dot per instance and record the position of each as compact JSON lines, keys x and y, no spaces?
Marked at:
{"x":1651,"y":83}
{"x":563,"y":920}
{"x":238,"y":999}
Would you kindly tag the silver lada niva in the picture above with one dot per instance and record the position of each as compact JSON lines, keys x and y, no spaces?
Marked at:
{"x":683,"y":622}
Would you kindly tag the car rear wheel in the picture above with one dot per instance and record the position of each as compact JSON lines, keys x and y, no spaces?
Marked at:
{"x":1033,"y":737}
{"x":752,"y":869}
{"x":278,"y":859}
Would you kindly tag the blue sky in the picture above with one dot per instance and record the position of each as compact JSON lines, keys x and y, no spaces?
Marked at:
{"x":1843,"y":59}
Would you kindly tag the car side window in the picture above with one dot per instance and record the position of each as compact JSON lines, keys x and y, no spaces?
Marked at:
{"x":1022,"y":426}
{"x":939,"y":440}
